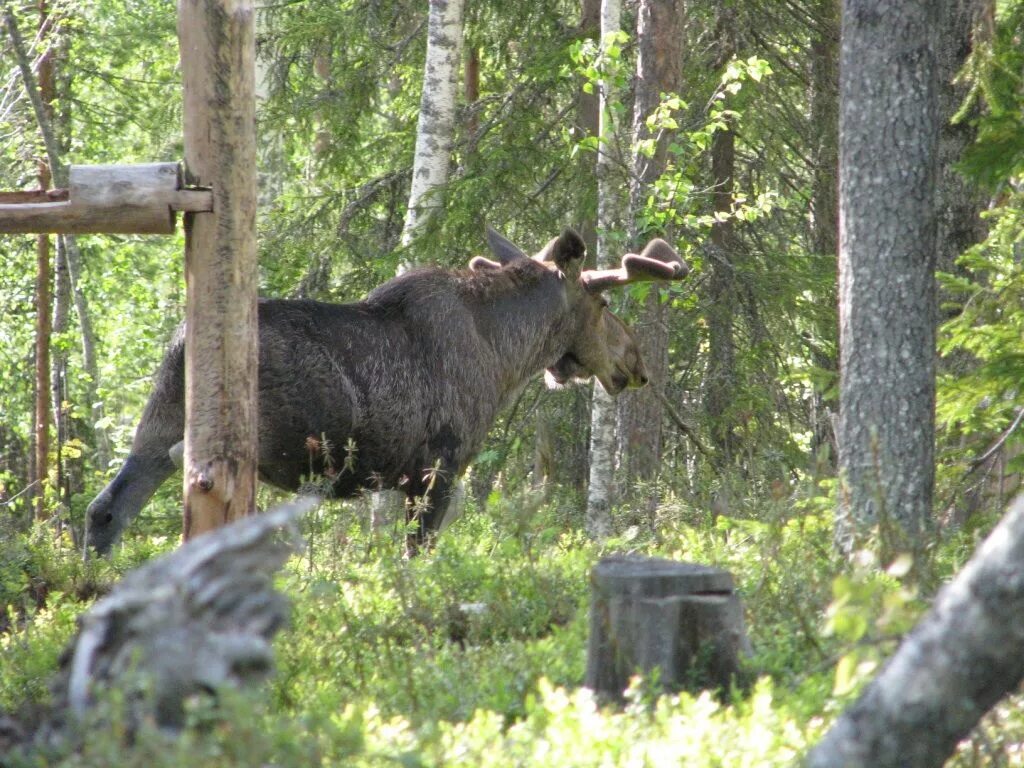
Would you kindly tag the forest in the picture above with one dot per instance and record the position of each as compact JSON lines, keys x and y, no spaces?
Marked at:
{"x":831,"y":413}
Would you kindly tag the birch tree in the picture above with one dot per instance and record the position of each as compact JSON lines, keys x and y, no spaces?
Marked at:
{"x":435,"y":137}
{"x":603,"y":411}
{"x":436,"y":126}
{"x":887,"y":150}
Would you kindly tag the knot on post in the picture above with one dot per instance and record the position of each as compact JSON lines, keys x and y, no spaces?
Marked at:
{"x":203,"y":480}
{"x":683,"y":619}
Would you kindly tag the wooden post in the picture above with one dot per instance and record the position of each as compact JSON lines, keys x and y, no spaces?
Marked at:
{"x":217,"y":44}
{"x":683,"y":619}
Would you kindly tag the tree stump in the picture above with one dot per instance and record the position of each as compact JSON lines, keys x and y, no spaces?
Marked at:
{"x":680,"y":618}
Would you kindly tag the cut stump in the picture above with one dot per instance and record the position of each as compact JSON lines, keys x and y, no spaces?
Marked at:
{"x":683,"y":619}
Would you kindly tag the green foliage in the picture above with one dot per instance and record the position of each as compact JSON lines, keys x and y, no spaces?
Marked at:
{"x":978,"y":401}
{"x":472,"y":653}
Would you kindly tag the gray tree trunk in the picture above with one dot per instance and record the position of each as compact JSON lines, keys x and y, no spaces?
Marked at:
{"x":659,"y":69}
{"x":720,"y":380}
{"x":435,"y":137}
{"x":888,"y":141}
{"x":825,"y":206}
{"x":598,"y":521}
{"x":964,"y":655}
{"x":959,"y":201}
{"x":683,"y":619}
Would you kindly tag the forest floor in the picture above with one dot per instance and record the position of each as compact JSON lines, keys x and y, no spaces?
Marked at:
{"x":381,"y":667}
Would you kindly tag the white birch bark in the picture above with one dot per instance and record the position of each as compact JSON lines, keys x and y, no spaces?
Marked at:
{"x":598,"y":521}
{"x":436,"y":125}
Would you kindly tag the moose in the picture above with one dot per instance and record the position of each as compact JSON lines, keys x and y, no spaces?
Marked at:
{"x":399,"y":390}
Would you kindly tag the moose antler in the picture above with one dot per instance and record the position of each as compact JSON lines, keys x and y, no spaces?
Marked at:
{"x":658,"y":262}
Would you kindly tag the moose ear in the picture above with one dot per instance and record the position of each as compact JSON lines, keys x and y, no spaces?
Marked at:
{"x":482,"y":264}
{"x":505,"y":250}
{"x":567,"y":252}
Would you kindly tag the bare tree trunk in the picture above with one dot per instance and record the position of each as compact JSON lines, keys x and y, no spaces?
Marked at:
{"x":218,"y":71}
{"x":42,"y":407}
{"x":435,"y":130}
{"x":659,"y":69}
{"x":959,"y":201}
{"x":435,"y":137}
{"x":720,"y":378}
{"x":888,"y":113}
{"x":43,"y":295}
{"x":471,"y":89}
{"x":59,"y":369}
{"x":963,"y":656}
{"x":598,"y":522}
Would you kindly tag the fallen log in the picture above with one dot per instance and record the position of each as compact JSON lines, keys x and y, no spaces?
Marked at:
{"x":195,"y":621}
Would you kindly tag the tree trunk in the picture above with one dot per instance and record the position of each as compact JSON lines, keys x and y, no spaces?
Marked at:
{"x":824,"y":123}
{"x":218,"y":72}
{"x":963,"y":656}
{"x":471,"y":90}
{"x":436,"y":127}
{"x":59,"y":174}
{"x":888,"y":113}
{"x":43,"y":294}
{"x":42,"y":407}
{"x":59,"y":368}
{"x":93,"y":406}
{"x":720,"y":378}
{"x":598,"y":522}
{"x":659,"y":69}
{"x":959,"y":201}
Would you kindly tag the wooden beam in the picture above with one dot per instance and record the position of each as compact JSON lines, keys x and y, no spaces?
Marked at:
{"x":218,"y":70}
{"x":112,"y":199}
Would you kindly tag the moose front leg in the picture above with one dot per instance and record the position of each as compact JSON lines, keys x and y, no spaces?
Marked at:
{"x":426,"y":505}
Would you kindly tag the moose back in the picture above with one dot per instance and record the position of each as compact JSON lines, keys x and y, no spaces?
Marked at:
{"x":399,"y":390}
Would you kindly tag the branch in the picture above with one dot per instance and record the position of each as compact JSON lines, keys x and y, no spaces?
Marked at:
{"x":57,"y":171}
{"x":996,"y":445}
{"x":678,"y":421}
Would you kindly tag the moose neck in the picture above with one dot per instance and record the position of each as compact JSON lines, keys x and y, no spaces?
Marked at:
{"x":524,"y":317}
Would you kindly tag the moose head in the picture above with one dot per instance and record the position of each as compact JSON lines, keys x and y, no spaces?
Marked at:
{"x":599,"y":343}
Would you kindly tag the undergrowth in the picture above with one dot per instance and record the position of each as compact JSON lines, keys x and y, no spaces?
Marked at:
{"x":473,"y":653}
